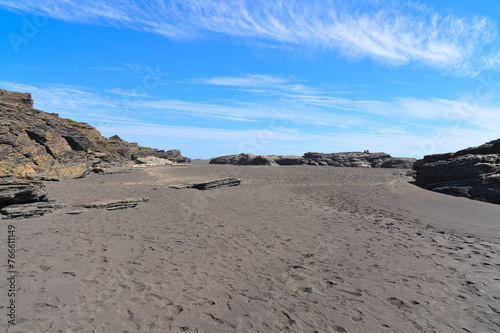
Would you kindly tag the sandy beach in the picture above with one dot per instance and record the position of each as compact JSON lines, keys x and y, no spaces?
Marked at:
{"x":292,"y":249}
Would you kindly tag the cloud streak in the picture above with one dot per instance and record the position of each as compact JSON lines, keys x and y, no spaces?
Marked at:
{"x":392,"y":32}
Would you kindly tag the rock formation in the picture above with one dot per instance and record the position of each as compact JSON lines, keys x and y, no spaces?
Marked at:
{"x":23,"y":198}
{"x":209,"y":184}
{"x":33,"y":142}
{"x":152,"y":160}
{"x":115,"y":204}
{"x":352,"y":159}
{"x":36,"y":142}
{"x":473,"y":172}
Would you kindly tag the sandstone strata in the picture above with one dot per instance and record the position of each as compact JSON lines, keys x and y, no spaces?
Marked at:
{"x":351,"y":159}
{"x":36,"y":143}
{"x":473,"y":172}
{"x":24,"y":198}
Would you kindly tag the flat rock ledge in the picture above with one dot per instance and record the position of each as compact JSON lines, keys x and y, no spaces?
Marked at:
{"x":115,"y":204}
{"x":114,"y":171}
{"x":24,"y":198}
{"x":29,"y":210}
{"x":209,"y":184}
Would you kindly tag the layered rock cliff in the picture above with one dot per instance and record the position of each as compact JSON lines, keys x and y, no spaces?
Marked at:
{"x":473,"y":172}
{"x":352,"y":159}
{"x":35,"y":142}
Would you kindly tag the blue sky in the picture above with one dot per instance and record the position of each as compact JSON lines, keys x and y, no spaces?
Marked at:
{"x":210,"y":78}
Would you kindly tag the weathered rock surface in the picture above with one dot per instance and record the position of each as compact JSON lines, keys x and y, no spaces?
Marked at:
{"x":152,"y":160}
{"x":29,"y":210}
{"x":24,"y":198}
{"x":115,"y":204}
{"x":33,"y":142}
{"x":352,"y":159}
{"x":115,"y":171}
{"x":209,"y":184}
{"x":473,"y":172}
{"x":36,"y":142}
{"x":15,"y":191}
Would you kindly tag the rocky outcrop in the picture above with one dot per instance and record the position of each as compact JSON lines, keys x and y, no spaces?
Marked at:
{"x":352,"y":159}
{"x":359,"y":159}
{"x":24,"y":198}
{"x":209,"y":184}
{"x":36,"y":142}
{"x":245,"y":159}
{"x":33,"y":142}
{"x":473,"y":172}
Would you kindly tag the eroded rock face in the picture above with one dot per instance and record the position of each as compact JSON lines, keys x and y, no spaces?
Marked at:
{"x":36,"y":142}
{"x":352,"y":159}
{"x":473,"y":172}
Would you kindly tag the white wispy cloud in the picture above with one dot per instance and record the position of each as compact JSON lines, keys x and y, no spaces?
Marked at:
{"x":112,"y":68}
{"x":245,"y":80}
{"x":289,"y":89}
{"x":394,"y":32}
{"x":125,"y":92}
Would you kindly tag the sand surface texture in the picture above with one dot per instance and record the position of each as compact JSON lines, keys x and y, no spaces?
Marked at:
{"x":292,"y":249}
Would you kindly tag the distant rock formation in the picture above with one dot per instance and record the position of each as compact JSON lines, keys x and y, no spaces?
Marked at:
{"x":358,"y":159}
{"x":352,"y":159}
{"x":132,"y":151}
{"x":33,"y":142}
{"x":473,"y":172}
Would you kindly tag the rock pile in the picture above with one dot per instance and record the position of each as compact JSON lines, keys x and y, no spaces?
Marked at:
{"x":473,"y":172}
{"x":352,"y":159}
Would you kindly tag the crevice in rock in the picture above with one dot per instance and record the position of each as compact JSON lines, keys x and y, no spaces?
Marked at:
{"x":73,"y":143}
{"x":40,"y":140}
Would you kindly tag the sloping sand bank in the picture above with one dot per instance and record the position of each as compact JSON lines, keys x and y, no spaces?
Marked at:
{"x":292,"y":249}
